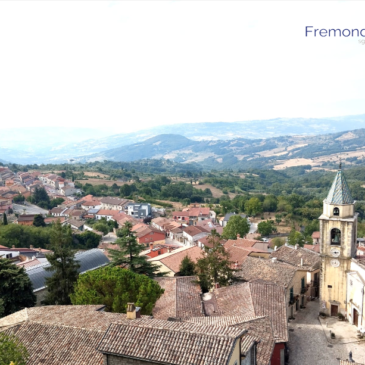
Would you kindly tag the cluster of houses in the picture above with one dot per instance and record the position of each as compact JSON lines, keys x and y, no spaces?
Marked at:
{"x":243,"y":323}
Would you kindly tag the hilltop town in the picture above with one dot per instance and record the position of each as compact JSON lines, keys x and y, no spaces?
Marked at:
{"x":286,"y":298}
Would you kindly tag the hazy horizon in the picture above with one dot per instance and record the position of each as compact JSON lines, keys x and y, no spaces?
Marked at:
{"x":129,"y":66}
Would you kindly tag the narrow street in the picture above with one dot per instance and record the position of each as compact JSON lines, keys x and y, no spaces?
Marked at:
{"x":308,"y":344}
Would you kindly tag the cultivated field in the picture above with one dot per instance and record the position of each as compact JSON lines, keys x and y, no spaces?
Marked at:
{"x":217,"y":193}
{"x":96,"y":174}
{"x":102,"y":181}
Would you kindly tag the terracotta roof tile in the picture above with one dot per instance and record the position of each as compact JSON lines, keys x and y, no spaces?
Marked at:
{"x":175,"y":341}
{"x":181,"y":298}
{"x":173,"y":259}
{"x":259,"y":328}
{"x":255,"y":299}
{"x":276,"y":272}
{"x":55,"y":345}
{"x":194,"y":230}
{"x":295,"y":256}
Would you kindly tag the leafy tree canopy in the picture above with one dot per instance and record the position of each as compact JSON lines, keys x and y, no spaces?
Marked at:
{"x":16,"y":290}
{"x":115,"y":287}
{"x":265,"y":228}
{"x":236,"y":225}
{"x":277,"y":241}
{"x":12,"y":351}
{"x":253,"y":206}
{"x":295,"y":238}
{"x":214,"y":267}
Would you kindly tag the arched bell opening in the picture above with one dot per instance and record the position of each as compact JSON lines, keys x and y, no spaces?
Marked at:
{"x":336,"y":211}
{"x":335,"y":237}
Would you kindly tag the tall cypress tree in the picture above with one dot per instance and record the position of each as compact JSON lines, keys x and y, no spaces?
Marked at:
{"x":5,"y":219}
{"x":63,"y":266}
{"x":129,"y":251}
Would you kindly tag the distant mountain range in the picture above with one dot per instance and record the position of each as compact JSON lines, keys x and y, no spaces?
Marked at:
{"x":234,"y":143}
{"x":277,"y":152}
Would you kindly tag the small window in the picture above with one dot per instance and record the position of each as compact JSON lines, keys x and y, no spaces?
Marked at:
{"x":329,"y":286}
{"x":336,"y":211}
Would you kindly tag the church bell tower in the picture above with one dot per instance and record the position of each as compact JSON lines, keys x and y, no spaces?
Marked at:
{"x":338,"y":234}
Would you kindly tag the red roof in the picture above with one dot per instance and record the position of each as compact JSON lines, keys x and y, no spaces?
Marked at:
{"x":107,"y":212}
{"x":241,"y":242}
{"x":316,"y":235}
{"x":181,"y":214}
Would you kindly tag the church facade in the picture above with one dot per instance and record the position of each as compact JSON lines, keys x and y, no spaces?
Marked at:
{"x":342,"y":277}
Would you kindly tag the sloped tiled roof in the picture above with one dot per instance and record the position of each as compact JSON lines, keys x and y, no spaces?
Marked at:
{"x":269,"y":300}
{"x":277,"y":272}
{"x":194,"y":230}
{"x":54,"y":345}
{"x":255,"y":299}
{"x":181,"y":298}
{"x":171,"y":342}
{"x":173,"y":259}
{"x":258,"y":327}
{"x":314,"y":248}
{"x":294,"y":256}
{"x":64,"y":335}
{"x":339,"y":192}
{"x":241,"y":242}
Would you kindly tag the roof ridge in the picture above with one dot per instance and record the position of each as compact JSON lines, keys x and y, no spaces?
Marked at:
{"x":65,"y":326}
{"x":142,"y":325}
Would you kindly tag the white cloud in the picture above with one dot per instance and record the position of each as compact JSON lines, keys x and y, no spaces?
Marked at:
{"x":132,"y":65}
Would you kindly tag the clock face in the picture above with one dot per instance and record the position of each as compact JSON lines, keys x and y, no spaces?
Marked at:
{"x":335,"y":252}
{"x":335,"y":263}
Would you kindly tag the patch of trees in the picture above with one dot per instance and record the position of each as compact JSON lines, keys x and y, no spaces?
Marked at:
{"x":26,"y":236}
{"x":115,"y":287}
{"x":236,"y":226}
{"x":41,"y":199}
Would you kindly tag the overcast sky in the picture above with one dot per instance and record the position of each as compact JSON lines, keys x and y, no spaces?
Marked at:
{"x":132,"y":65}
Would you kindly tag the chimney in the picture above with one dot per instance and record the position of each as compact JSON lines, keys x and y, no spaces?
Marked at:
{"x":275,"y":248}
{"x":31,"y":246}
{"x":151,"y":246}
{"x":13,"y":246}
{"x":274,"y":259}
{"x":216,"y":285}
{"x":301,"y":262}
{"x":138,"y":312}
{"x":131,"y":311}
{"x":168,"y":249}
{"x":296,"y":246}
{"x":236,"y":264}
{"x":238,"y":235}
